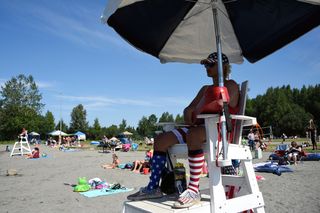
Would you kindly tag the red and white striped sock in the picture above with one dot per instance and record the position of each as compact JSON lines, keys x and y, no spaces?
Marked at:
{"x":196,"y":161}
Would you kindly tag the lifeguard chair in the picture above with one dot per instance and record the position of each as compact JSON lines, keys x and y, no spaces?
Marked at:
{"x":21,"y":147}
{"x":248,"y":198}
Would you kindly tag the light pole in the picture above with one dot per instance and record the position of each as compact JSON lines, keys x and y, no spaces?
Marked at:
{"x":60,"y":125}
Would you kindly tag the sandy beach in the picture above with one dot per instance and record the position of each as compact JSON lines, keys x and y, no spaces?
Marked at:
{"x":40,"y":184}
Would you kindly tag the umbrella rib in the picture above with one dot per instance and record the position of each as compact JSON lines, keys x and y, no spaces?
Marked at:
{"x":210,"y":6}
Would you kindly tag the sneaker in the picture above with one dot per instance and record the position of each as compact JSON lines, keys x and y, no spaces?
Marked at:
{"x":186,"y":199}
{"x":145,"y":194}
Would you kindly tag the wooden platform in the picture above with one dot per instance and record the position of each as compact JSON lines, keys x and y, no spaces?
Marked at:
{"x":165,"y":205}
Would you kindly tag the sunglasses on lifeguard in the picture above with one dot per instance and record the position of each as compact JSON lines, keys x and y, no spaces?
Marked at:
{"x":209,"y":65}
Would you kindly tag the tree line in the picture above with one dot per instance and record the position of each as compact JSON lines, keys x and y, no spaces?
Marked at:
{"x":285,"y":109}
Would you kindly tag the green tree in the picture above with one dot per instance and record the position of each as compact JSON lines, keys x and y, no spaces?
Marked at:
{"x":21,"y":91}
{"x":20,"y":106}
{"x":79,"y":119}
{"x":179,"y":119}
{"x":47,"y":123}
{"x":112,"y":131}
{"x":64,"y":126}
{"x":147,"y":126}
{"x":95,"y":131}
{"x":166,"y":117}
{"x":123,"y":125}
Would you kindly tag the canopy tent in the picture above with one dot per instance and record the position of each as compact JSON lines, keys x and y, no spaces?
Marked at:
{"x":57,"y":133}
{"x":114,"y":139}
{"x":34,"y":134}
{"x":80,"y":135}
{"x":126,"y":133}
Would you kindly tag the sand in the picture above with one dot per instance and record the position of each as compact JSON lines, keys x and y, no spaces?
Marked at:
{"x":40,"y":184}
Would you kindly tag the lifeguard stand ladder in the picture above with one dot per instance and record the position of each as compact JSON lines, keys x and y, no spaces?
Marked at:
{"x":21,"y":147}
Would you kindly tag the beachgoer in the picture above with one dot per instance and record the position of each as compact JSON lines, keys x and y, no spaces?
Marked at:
{"x":284,"y":137}
{"x":139,"y":164}
{"x":35,"y":153}
{"x":312,"y":132}
{"x":257,"y":140}
{"x":294,"y":152}
{"x":115,"y":163}
{"x":194,"y":136}
{"x":251,"y":139}
{"x":23,"y":133}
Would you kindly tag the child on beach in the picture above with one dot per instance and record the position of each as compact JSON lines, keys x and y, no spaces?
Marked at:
{"x":115,"y":163}
{"x":34,"y":154}
{"x":294,"y":152}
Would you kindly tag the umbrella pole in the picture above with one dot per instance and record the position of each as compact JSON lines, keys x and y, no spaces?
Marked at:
{"x":221,"y":83}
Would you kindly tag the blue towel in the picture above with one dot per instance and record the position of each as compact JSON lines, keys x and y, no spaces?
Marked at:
{"x":102,"y":192}
{"x":71,"y":150}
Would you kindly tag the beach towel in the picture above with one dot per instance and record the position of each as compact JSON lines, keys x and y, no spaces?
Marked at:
{"x":312,"y":157}
{"x":103,"y":192}
{"x":71,"y":150}
{"x":272,"y":168}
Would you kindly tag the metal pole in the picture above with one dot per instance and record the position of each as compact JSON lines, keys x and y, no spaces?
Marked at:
{"x":60,"y":121}
{"x":220,"y":76}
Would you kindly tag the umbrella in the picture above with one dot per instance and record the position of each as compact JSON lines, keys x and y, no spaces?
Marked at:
{"x":114,"y":139}
{"x":184,"y":30}
{"x":189,"y":30}
{"x":34,"y":134}
{"x":57,"y":133}
{"x":126,"y":133}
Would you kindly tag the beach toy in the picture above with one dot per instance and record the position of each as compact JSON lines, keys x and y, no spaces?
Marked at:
{"x":145,"y":171}
{"x":44,"y":155}
{"x":82,"y":186}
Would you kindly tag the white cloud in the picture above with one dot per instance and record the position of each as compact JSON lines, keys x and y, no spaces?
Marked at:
{"x":96,"y":102}
{"x":44,"y":84}
{"x":75,"y":27}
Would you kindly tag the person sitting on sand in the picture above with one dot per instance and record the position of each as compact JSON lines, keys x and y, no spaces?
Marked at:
{"x":115,"y":163}
{"x":294,"y":152}
{"x":139,"y":164}
{"x":34,"y":154}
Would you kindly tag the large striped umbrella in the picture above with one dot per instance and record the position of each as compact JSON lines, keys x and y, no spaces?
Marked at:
{"x":184,"y":30}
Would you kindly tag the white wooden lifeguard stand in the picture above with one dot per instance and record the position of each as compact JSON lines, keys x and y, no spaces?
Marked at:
{"x":247,"y":198}
{"x":21,"y":147}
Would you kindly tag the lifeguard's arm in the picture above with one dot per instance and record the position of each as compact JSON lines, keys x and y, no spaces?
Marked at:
{"x":189,"y":109}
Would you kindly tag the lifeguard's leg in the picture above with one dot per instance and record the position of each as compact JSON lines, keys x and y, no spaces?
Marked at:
{"x":161,"y":145}
{"x":195,"y":139}
{"x":157,"y":164}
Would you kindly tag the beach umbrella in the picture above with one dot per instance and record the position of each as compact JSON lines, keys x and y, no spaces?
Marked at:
{"x":57,"y":133}
{"x":185,"y":30}
{"x":189,"y":30}
{"x":34,"y":134}
{"x":126,"y":133}
{"x":114,"y":139}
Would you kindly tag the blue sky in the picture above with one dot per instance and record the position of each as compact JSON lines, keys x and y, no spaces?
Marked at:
{"x":75,"y":59}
